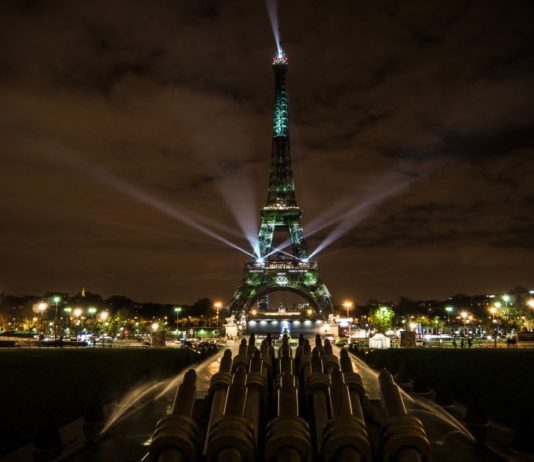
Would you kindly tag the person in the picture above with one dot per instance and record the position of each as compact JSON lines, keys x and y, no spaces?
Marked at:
{"x":462,"y":343}
{"x":454,"y":344}
{"x":469,"y":342}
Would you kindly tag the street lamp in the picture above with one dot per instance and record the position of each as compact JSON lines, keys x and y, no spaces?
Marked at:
{"x":67,"y":311}
{"x":218,"y":306}
{"x":506,"y":298}
{"x":103,"y":315}
{"x":42,"y":308}
{"x":464,"y":315}
{"x":348,"y":305}
{"x":56,"y":300}
{"x":493,"y":310}
{"x":177,"y":310}
{"x":449,"y":310}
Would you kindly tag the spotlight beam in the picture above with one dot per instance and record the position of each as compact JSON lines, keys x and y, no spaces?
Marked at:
{"x":272,"y":9}
{"x":152,"y":201}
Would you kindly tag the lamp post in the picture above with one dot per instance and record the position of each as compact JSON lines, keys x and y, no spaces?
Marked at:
{"x":42,"y":308}
{"x":348,"y":305}
{"x":449,"y":310}
{"x":177,"y":310}
{"x":493,"y":311}
{"x":464,"y":315}
{"x":56,"y":300}
{"x":506,"y":299}
{"x":67,"y":310}
{"x":218,"y":306}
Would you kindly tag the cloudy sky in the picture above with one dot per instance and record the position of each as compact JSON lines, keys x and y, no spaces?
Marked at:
{"x":135,"y":141}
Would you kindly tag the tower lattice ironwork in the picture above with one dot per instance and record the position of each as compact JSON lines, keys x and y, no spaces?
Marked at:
{"x":276,"y":269}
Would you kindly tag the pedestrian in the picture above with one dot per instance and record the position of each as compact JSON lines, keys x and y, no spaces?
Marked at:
{"x":462,"y":343}
{"x":469,"y":342}
{"x":454,"y":344}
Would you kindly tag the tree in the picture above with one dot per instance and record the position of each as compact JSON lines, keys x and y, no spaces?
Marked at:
{"x":382,"y":318}
{"x":202,"y":307}
{"x":116,"y":302}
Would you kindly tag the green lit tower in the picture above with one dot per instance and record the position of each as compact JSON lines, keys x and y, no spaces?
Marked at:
{"x":287,"y":267}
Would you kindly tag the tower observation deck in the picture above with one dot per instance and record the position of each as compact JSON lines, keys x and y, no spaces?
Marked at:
{"x":277,"y":269}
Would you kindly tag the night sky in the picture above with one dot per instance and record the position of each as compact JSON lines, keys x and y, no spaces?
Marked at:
{"x":411,"y":121}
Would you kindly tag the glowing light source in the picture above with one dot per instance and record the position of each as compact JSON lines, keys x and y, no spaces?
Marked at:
{"x":42,"y":306}
{"x":103,"y":315}
{"x":348,"y":305}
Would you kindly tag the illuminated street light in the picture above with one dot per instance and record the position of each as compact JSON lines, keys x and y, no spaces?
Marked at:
{"x":348,"y":305}
{"x":103,"y":315}
{"x":218,"y":306}
{"x":506,"y":298}
{"x":254,"y":312}
{"x":77,"y":312}
{"x":464,"y":315}
{"x":177,"y":310}
{"x":155,"y":326}
{"x":530,"y":303}
{"x":56,"y":301}
{"x":449,"y":310}
{"x":42,"y":308}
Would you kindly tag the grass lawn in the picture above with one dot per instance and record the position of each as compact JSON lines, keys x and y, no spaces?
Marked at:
{"x":36,"y":381}
{"x":502,"y":380}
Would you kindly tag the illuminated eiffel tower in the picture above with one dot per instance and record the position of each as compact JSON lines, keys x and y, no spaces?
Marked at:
{"x":275,"y":269}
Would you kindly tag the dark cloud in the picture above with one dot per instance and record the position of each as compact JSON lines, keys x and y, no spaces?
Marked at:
{"x":172,"y":102}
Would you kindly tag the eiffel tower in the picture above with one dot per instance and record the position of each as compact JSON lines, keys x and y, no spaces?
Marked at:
{"x":274,"y":269}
